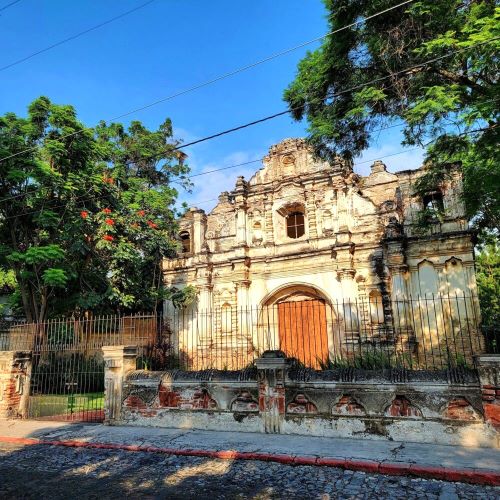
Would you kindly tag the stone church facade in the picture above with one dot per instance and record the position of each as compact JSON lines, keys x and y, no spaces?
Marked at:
{"x":303,"y":233}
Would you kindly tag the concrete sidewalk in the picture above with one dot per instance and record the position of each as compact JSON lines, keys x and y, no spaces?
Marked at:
{"x":456,"y":463}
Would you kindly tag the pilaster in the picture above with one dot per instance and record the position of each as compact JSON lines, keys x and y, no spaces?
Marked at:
{"x":271,"y":372}
{"x":118,"y":362}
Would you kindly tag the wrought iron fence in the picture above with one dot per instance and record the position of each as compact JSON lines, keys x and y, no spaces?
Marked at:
{"x":431,"y":332}
{"x":67,"y":379}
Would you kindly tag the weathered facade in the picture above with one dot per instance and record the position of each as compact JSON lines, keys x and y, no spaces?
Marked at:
{"x":302,"y":230}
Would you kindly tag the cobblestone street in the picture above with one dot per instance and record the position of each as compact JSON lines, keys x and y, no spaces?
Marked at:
{"x":56,"y":473}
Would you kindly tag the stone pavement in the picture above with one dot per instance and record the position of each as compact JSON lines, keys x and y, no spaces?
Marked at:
{"x":56,"y":471}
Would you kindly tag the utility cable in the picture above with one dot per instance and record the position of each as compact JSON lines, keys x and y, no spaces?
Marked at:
{"x":214,"y":80}
{"x":73,"y":37}
{"x":247,"y":163}
{"x":5,"y":7}
{"x":332,"y":96}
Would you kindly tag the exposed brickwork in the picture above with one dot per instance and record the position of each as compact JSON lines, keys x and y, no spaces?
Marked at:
{"x":461,"y":409}
{"x":189,"y":399}
{"x":402,"y":407}
{"x":301,"y":404}
{"x":491,"y":404}
{"x":15,"y":370}
{"x":134,"y":401}
{"x":244,"y":402}
{"x":489,"y":375}
{"x":347,"y":405}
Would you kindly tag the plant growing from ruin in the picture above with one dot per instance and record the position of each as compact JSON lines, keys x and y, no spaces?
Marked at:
{"x":354,"y":84}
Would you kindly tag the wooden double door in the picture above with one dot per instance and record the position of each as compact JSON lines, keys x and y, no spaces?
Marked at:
{"x":302,"y":330}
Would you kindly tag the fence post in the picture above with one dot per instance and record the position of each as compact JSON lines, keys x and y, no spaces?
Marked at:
{"x":488,"y":366}
{"x":271,"y":373}
{"x":118,"y":362}
{"x":15,"y":377}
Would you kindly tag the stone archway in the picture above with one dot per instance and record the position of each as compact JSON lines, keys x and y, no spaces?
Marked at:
{"x":299,"y":315}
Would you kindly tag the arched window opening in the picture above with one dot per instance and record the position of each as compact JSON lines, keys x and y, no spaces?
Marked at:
{"x":295,"y":226}
{"x":185,"y":238}
{"x":376,"y":307}
{"x":433,"y":201}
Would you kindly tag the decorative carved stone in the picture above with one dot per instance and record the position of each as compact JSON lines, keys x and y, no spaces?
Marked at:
{"x":245,"y":402}
{"x":402,"y":407}
{"x":347,"y":405}
{"x":301,"y":404}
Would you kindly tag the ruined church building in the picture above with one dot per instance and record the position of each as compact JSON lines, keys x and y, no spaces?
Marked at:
{"x":313,"y":251}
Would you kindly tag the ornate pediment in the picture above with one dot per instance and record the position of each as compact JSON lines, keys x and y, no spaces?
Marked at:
{"x":288,"y":159}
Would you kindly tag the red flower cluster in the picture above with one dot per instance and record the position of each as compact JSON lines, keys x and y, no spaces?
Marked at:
{"x":152,"y":224}
{"x":108,"y":180}
{"x":108,"y":237}
{"x":107,"y":210}
{"x":141,"y":213}
{"x":84,"y":214}
{"x":110,"y":222}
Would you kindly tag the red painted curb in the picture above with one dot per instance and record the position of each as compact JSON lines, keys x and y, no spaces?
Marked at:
{"x":489,"y":478}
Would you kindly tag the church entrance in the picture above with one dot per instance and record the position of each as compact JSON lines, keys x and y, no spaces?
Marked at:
{"x":302,"y":330}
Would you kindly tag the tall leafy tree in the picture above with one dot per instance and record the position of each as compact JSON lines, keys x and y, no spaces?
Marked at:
{"x":354,"y":84}
{"x":86,"y":215}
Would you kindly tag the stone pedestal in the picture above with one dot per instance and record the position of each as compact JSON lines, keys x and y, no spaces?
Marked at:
{"x":271,"y":374}
{"x":488,"y":366}
{"x":118,"y":362}
{"x":15,"y":378}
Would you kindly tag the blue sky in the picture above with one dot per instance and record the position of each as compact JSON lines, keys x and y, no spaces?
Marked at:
{"x":163,"y":48}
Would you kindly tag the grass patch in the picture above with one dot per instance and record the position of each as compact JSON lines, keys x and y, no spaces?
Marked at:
{"x":45,"y":405}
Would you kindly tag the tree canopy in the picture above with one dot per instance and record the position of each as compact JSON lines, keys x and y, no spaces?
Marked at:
{"x":86,"y":215}
{"x":372,"y":76}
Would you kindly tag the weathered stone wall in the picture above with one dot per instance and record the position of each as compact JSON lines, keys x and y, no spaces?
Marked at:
{"x":361,"y":240}
{"x":15,"y":374}
{"x":441,"y":407}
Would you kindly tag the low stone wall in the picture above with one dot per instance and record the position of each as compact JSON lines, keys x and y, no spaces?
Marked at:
{"x":439,"y":407}
{"x":204,"y":400}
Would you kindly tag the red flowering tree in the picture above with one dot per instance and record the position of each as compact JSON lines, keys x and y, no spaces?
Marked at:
{"x":86,"y":218}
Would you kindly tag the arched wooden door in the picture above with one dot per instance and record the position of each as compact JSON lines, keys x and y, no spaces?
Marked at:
{"x":302,"y":331}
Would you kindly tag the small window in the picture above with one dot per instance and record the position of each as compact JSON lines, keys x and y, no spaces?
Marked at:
{"x":185,"y":241}
{"x":295,"y":227}
{"x":433,"y":201}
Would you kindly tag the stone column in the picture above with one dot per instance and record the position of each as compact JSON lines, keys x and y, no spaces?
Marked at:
{"x":268,"y":224}
{"x":349,"y":308}
{"x":199,"y":227}
{"x":240,"y":201}
{"x":400,"y":306}
{"x":488,"y":366}
{"x":311,"y":211}
{"x":271,"y":372}
{"x":15,"y":378}
{"x":118,"y":362}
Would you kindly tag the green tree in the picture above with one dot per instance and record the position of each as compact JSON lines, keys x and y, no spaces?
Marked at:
{"x":488,"y":281}
{"x":86,"y":215}
{"x":353,"y":85}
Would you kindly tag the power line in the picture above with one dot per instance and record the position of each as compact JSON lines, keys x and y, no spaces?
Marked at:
{"x":261,"y":61}
{"x":357,"y":164}
{"x":73,"y":37}
{"x":5,"y":7}
{"x":216,"y":79}
{"x":336,"y":94}
{"x":234,"y":166}
{"x":261,"y":159}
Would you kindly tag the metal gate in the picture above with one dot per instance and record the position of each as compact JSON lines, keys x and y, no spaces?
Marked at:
{"x":67,"y":377}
